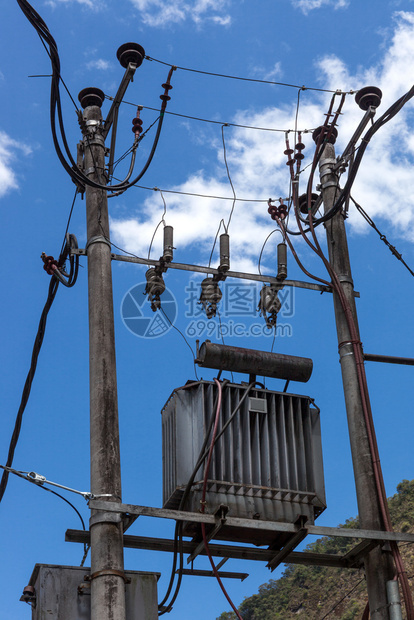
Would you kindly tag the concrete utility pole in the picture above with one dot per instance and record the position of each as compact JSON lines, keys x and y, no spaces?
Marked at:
{"x":106,"y":534}
{"x":378,"y":564}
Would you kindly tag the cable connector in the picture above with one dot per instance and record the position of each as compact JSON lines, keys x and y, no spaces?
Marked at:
{"x":50,"y":264}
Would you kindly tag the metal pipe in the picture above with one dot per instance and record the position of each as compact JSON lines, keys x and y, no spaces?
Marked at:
{"x":252,"y":362}
{"x":393,"y":595}
{"x":388,"y":359}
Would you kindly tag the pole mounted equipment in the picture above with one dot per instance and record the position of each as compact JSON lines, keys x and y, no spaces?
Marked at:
{"x":329,"y":134}
{"x":91,"y":96}
{"x":130,"y":53}
{"x":369,"y":96}
{"x":254,"y":362}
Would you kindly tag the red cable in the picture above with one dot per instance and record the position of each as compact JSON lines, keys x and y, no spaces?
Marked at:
{"x":203,"y":501}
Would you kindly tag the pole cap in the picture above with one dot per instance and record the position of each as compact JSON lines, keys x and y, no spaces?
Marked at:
{"x":91,"y":96}
{"x":130,"y":52}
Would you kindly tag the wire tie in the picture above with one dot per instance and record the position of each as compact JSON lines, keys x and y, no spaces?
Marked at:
{"x":98,"y":239}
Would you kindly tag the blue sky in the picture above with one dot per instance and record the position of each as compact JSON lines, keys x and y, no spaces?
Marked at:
{"x":323,"y":44}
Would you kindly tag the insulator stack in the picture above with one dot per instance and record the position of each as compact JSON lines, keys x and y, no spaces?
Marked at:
{"x":137,"y":125}
{"x":168,"y":244}
{"x":210,"y":296}
{"x":299,"y":148}
{"x":303,"y":202}
{"x":281,"y":261}
{"x":331,"y":131}
{"x":155,"y":288}
{"x":165,"y":96}
{"x":277,"y":212}
{"x":270,"y":304}
{"x":224,"y":252}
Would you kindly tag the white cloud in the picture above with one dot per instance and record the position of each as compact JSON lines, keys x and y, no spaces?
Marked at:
{"x":384,"y":184}
{"x":100,"y":64}
{"x":308,"y":5}
{"x":95,"y":5}
{"x":8,"y":154}
{"x":160,"y":13}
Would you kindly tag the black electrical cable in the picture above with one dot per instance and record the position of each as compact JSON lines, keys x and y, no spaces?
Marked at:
{"x":53,"y":287}
{"x":55,"y":109}
{"x":68,"y":279}
{"x":179,"y":524}
{"x":380,"y":122}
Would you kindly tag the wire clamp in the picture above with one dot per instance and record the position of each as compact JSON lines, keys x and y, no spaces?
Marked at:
{"x":107,"y":572}
{"x":98,"y":239}
{"x":345,"y":278}
{"x":329,"y":184}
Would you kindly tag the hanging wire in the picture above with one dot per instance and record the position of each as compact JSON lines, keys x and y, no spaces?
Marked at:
{"x":263,"y":247}
{"x":185,"y":340}
{"x":162,"y":221}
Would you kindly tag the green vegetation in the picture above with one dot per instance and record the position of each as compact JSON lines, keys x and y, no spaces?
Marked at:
{"x":312,"y":591}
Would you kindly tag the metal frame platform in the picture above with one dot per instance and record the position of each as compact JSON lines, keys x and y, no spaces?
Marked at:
{"x":296,"y":533}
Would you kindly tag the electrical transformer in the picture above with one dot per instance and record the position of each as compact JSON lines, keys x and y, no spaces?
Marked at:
{"x":63,"y":593}
{"x":267,"y":464}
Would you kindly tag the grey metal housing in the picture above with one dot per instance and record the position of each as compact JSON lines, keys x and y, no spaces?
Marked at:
{"x":267,"y":465}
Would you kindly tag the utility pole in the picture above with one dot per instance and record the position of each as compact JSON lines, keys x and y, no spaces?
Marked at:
{"x":106,"y":533}
{"x":378,"y":564}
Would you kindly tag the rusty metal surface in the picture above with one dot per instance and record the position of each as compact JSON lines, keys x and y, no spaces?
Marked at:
{"x":251,"y":361}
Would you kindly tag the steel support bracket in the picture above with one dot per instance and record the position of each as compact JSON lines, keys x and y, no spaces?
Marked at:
{"x":209,"y":573}
{"x":220,"y":521}
{"x":105,"y":573}
{"x":105,"y":517}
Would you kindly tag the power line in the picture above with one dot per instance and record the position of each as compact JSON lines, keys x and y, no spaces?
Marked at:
{"x":343,"y":598}
{"x":173,"y":191}
{"x":214,"y":122}
{"x":244,"y":79}
{"x":381,"y":236}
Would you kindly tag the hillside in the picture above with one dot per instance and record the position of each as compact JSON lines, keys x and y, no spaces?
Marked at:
{"x":312,"y":592}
